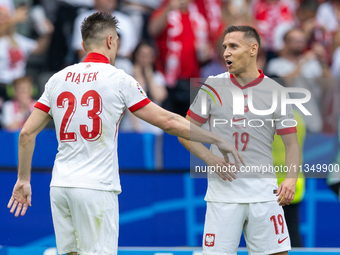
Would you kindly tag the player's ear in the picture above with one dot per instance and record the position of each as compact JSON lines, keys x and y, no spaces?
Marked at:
{"x":82,"y":44}
{"x":254,"y":49}
{"x":109,"y":41}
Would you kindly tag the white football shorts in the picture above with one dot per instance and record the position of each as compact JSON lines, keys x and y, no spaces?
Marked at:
{"x":85,"y":220}
{"x":263,"y":224}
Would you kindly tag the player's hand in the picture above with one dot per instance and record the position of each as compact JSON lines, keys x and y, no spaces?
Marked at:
{"x":226,"y":171}
{"x":286,"y":191}
{"x":21,"y":197}
{"x":226,"y":148}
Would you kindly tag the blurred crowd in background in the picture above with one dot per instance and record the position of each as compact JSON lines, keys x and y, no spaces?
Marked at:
{"x":165,"y":43}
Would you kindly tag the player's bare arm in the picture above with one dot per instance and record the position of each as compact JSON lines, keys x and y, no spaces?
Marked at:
{"x":21,"y":196}
{"x":175,"y":124}
{"x":286,"y":190}
{"x":202,"y":152}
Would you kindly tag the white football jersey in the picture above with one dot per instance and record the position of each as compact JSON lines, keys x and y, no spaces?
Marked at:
{"x":87,"y":101}
{"x":250,"y":133}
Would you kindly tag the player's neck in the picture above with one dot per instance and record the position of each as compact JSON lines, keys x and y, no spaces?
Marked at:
{"x":248,"y":76}
{"x":102,"y":52}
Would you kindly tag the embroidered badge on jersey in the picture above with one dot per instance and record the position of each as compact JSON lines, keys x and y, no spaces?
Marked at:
{"x":209,"y":240}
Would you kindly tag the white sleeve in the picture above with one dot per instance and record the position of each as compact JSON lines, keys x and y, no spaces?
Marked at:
{"x":132,"y":93}
{"x":284,"y":124}
{"x":198,"y":105}
{"x":44,"y":102}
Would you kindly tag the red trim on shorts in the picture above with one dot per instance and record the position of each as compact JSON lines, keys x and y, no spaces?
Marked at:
{"x":250,"y":84}
{"x":196,"y":117}
{"x":139,"y":105}
{"x":42,"y":107}
{"x":96,"y":58}
{"x":286,"y":131}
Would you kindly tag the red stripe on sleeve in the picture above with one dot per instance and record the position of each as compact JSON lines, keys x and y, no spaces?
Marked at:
{"x":286,"y":131}
{"x":139,"y":105}
{"x":196,"y":117}
{"x":42,"y":107}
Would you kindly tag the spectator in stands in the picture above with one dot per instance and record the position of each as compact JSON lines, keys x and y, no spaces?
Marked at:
{"x":60,"y":50}
{"x":333,"y":98}
{"x":9,"y":16}
{"x":237,"y":13}
{"x":302,"y":68}
{"x":327,"y":15}
{"x":35,"y":25}
{"x":336,"y":64}
{"x":181,"y":32}
{"x":151,"y":80}
{"x":306,"y":20}
{"x":140,"y":11}
{"x":268,"y":14}
{"x":212,"y":12}
{"x":217,"y":65}
{"x":8,"y":5}
{"x":16,"y":111}
{"x":128,"y":38}
{"x":14,"y":51}
{"x":122,"y":62}
{"x":333,"y":177}
{"x":153,"y":83}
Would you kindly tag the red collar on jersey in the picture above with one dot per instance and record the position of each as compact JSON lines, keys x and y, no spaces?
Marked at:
{"x":97,"y":58}
{"x":250,"y":84}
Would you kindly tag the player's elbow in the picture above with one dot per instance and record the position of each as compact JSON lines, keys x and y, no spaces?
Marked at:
{"x":25,"y":136}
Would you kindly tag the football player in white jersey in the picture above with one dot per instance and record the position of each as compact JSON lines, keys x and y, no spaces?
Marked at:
{"x":87,"y":101}
{"x":252,"y":201}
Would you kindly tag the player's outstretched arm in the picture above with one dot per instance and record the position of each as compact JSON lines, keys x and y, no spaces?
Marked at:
{"x":286,"y":190}
{"x":175,"y":124}
{"x":202,"y":152}
{"x":21,"y":196}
